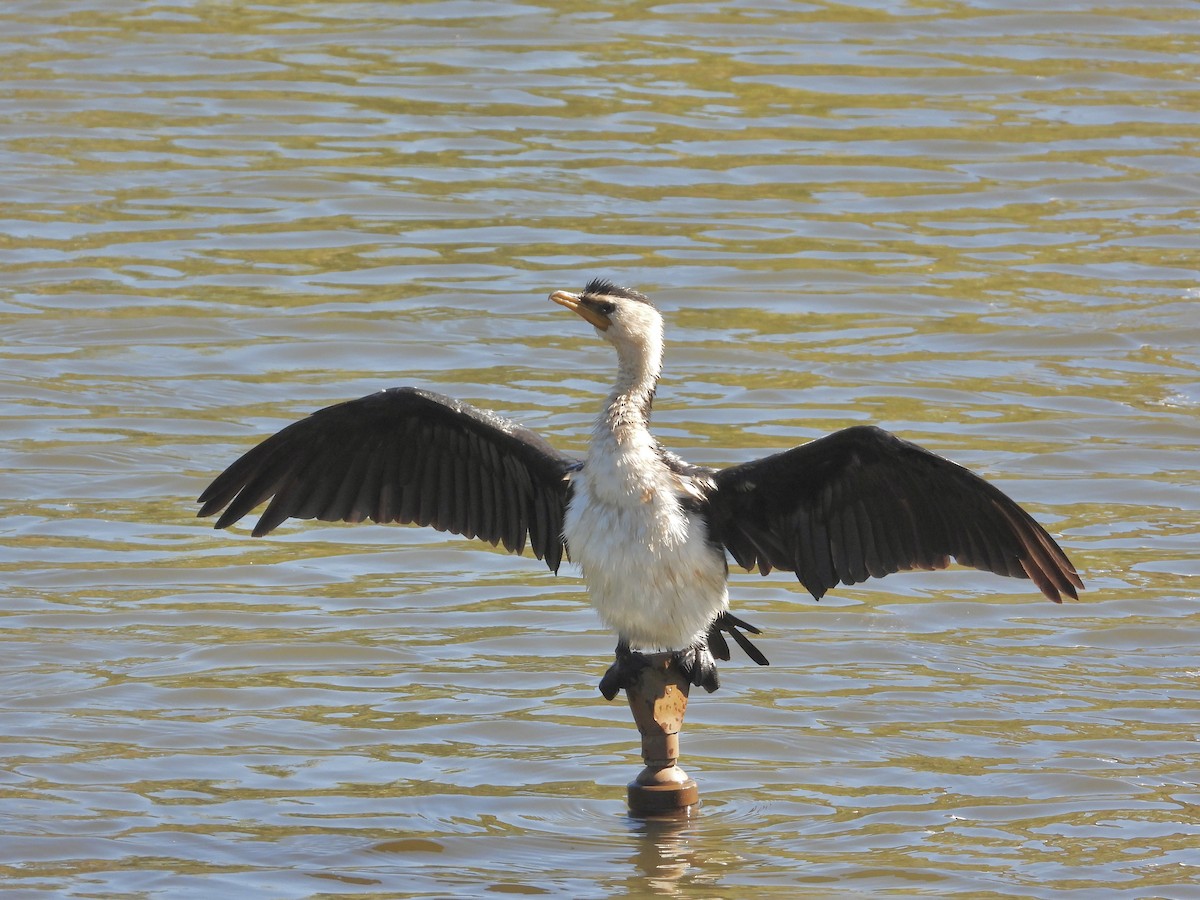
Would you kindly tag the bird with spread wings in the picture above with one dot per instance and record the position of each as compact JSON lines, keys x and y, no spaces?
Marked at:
{"x":651,"y":532}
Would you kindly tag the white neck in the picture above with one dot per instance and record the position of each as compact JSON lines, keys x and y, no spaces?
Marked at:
{"x":623,"y":456}
{"x":627,"y":411}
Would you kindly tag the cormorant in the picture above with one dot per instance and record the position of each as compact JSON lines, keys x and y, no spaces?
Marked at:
{"x":650,"y":531}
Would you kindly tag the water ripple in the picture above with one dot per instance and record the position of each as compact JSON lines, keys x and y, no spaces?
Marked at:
{"x":969,"y":224}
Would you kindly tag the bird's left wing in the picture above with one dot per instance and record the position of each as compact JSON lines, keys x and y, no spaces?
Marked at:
{"x":405,"y":455}
{"x":863,"y":503}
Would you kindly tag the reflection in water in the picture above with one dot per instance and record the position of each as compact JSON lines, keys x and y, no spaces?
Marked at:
{"x":664,"y":853}
{"x":968,"y":223}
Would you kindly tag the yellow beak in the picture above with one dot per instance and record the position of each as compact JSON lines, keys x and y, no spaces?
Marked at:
{"x":589,"y":315}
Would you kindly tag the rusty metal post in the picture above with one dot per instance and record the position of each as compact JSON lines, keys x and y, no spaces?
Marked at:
{"x":658,"y":701}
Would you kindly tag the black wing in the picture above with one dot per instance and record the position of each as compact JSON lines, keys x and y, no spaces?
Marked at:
{"x":405,"y":455}
{"x":863,"y":503}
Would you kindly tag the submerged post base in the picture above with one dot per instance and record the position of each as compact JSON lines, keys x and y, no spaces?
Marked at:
{"x":658,"y":701}
{"x":677,"y":795}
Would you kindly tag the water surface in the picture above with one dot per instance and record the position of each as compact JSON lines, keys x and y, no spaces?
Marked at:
{"x":972,"y":223}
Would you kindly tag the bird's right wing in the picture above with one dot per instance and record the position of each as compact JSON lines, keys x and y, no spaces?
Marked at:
{"x":405,"y":455}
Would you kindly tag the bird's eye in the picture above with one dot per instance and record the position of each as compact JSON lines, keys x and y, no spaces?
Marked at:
{"x":607,"y":308}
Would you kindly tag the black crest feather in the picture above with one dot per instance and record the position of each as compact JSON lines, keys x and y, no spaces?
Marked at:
{"x":605,"y":287}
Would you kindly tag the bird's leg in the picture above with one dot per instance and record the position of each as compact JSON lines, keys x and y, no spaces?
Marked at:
{"x":697,"y":665}
{"x":624,"y":670}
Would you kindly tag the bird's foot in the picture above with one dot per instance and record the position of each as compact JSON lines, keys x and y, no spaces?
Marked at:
{"x":697,"y":665}
{"x":624,"y":671}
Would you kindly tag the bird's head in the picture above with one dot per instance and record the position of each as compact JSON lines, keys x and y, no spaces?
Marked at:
{"x":622,"y":316}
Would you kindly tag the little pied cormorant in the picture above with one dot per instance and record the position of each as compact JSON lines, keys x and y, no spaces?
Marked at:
{"x":650,"y":531}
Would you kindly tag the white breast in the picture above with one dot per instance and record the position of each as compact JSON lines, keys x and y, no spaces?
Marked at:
{"x":651,"y":573}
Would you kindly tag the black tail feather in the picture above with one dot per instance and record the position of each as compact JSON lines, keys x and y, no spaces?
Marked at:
{"x":731,"y":624}
{"x":717,"y":644}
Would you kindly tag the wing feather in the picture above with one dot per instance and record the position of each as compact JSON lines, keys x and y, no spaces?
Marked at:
{"x":405,"y":455}
{"x":863,"y":503}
